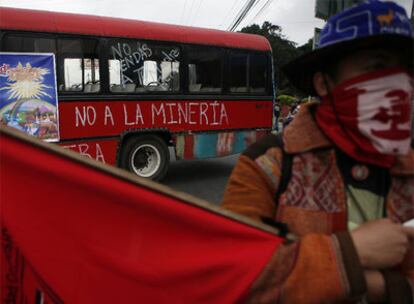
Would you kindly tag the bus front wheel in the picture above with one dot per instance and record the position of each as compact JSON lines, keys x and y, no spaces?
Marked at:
{"x":147,"y":156}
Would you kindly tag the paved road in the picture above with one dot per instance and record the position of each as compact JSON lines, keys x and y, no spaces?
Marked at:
{"x":202,"y":178}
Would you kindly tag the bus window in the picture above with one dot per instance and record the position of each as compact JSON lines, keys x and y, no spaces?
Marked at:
{"x":248,"y":73}
{"x":17,"y":43}
{"x":91,"y":66}
{"x":204,"y":70}
{"x":80,"y":66}
{"x":136,"y":67}
{"x":239,"y":73}
{"x":114,"y":72}
{"x":73,"y":74}
{"x":258,"y":73}
{"x":91,"y":75}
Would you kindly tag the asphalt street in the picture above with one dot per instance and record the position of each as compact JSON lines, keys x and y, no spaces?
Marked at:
{"x":205,"y":179}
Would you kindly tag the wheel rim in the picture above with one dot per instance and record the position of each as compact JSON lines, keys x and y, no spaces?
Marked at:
{"x":145,"y":160}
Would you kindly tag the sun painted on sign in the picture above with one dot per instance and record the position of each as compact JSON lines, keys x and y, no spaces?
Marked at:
{"x":28,"y":98}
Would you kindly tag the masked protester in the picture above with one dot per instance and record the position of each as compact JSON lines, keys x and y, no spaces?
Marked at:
{"x":342,"y":174}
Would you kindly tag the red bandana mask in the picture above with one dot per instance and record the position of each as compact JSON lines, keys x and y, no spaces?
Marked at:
{"x":369,"y":116}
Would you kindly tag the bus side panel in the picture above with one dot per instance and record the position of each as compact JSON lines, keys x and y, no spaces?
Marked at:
{"x":104,"y":150}
{"x":208,"y":145}
{"x":112,"y":118}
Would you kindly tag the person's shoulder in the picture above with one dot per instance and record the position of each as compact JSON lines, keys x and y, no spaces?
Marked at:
{"x":263,"y":145}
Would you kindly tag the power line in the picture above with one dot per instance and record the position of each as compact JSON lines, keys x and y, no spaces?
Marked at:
{"x":234,"y":23}
{"x":238,"y":14}
{"x":255,"y":4}
{"x":231,"y":9}
{"x":183,"y":12}
{"x":189,"y":12}
{"x":242,"y":15}
{"x":265,"y":6}
{"x":196,"y":12}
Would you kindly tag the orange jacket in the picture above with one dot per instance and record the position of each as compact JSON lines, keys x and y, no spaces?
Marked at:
{"x":323,"y":266}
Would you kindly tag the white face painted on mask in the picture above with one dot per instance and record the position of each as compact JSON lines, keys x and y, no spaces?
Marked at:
{"x":384,"y":112}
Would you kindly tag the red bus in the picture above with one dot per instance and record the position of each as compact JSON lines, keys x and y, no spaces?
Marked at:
{"x":128,"y":90}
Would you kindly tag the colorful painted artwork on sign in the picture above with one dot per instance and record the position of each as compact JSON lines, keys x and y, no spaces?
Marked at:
{"x":28,"y":97}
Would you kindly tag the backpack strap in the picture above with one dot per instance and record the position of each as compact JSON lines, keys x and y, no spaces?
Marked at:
{"x":286,"y":173}
{"x":261,"y":146}
{"x":286,"y":169}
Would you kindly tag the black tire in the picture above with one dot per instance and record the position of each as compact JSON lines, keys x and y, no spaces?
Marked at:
{"x":146,"y":156}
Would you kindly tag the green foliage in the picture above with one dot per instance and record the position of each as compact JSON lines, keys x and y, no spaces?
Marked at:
{"x":284,"y":51}
{"x":306,"y":48}
{"x":286,"y":99}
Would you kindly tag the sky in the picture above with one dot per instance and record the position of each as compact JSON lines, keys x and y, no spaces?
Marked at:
{"x":296,"y":17}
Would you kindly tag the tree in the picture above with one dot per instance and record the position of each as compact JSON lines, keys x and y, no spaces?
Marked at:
{"x":306,"y":48}
{"x":287,"y":100}
{"x":284,"y":51}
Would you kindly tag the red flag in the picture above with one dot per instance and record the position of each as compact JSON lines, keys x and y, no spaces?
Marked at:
{"x":79,"y":232}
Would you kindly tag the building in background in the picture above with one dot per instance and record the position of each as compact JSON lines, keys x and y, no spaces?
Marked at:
{"x":327,"y":8}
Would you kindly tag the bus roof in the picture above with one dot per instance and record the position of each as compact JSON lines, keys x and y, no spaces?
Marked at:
{"x":54,"y":22}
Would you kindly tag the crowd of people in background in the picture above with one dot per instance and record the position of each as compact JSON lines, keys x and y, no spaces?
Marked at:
{"x":284,"y":113}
